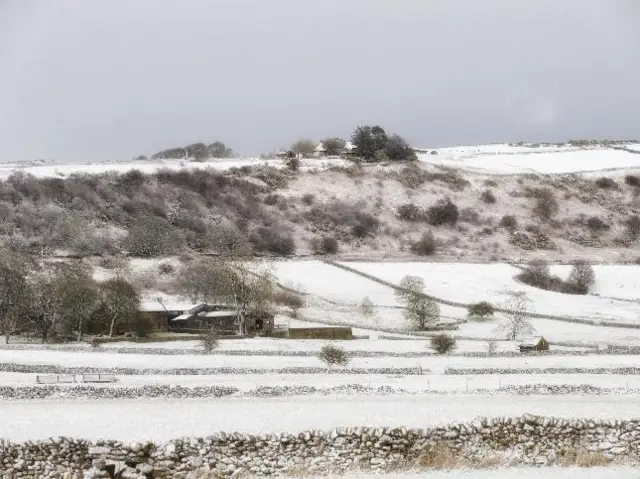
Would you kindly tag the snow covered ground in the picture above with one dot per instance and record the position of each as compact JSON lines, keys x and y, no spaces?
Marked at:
{"x":435,"y":364}
{"x":165,"y":419}
{"x":411,"y":383}
{"x":152,"y":166}
{"x":467,"y":283}
{"x":504,"y":159}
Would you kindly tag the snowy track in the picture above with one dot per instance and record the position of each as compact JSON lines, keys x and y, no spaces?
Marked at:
{"x":167,"y":419}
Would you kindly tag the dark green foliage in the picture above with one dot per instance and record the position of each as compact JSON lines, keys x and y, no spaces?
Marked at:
{"x":397,"y":149}
{"x":218,"y":149}
{"x":368,"y":140}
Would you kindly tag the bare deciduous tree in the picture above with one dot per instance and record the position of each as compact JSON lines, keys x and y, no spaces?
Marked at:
{"x":419,"y":309}
{"x":304,"y":147}
{"x":366,"y":308}
{"x":516,"y":323}
{"x":244,"y":282}
{"x":77,"y":297}
{"x":120,"y":302}
{"x":582,"y":277}
{"x":333,"y":146}
{"x":14,"y":292}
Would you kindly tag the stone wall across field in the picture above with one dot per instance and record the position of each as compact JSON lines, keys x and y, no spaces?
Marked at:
{"x":626,"y":370}
{"x":55,"y":369}
{"x":527,"y":440}
{"x":622,"y":351}
{"x":166,"y":391}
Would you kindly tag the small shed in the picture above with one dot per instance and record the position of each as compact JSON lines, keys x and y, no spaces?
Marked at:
{"x":535,"y":343}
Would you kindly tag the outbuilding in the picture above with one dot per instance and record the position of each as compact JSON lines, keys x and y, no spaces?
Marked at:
{"x":535,"y":343}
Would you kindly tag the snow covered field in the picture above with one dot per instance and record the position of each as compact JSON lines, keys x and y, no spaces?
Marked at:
{"x":165,"y":419}
{"x":152,"y":166}
{"x":411,"y":383}
{"x":434,"y":364}
{"x":507,"y":160}
{"x":467,"y":283}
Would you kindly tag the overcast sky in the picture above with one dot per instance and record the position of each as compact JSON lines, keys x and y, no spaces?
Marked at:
{"x":110,"y":79}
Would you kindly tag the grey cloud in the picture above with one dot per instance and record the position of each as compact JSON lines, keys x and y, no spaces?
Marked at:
{"x":111,"y":79}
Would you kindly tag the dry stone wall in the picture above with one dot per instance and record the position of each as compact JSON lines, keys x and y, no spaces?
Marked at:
{"x":527,"y":440}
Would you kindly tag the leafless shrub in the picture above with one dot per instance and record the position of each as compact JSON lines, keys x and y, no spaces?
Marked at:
{"x":366,"y":308}
{"x":308,"y":199}
{"x":426,"y":245}
{"x":488,"y":197}
{"x":272,"y":239}
{"x":606,"y":183}
{"x":443,"y":212}
{"x":410,"y":212}
{"x":442,"y":343}
{"x":469,"y":215}
{"x":272,"y":199}
{"x":509,"y":222}
{"x":452,"y":178}
{"x":596,"y":224}
{"x":632,"y":180}
{"x":582,"y":277}
{"x":333,"y":355}
{"x":343,"y":219}
{"x":412,"y":176}
{"x":325,"y":245}
{"x":491,"y":183}
{"x":633,"y":228}
{"x":166,"y":269}
{"x":210,"y":340}
{"x":546,"y":206}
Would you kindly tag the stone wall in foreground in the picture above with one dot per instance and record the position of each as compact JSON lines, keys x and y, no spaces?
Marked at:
{"x":525,"y":440}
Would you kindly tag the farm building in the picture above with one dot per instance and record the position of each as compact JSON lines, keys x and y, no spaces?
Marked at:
{"x":221,"y":317}
{"x":537,"y":343}
{"x":158,"y":313}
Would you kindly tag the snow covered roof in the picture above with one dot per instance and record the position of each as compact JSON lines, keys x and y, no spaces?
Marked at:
{"x":320,"y":148}
{"x":167,"y":305}
{"x":182,"y":317}
{"x":532,"y":341}
{"x":349,"y":146}
{"x":218,"y":314}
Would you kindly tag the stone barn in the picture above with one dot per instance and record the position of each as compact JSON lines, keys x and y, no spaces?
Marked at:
{"x":537,"y":343}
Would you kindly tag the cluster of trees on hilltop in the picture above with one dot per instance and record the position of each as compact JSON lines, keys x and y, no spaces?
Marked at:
{"x":370,"y":143}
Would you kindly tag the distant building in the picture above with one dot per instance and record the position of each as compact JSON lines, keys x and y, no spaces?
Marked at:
{"x":536,"y":343}
{"x":320,"y":151}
